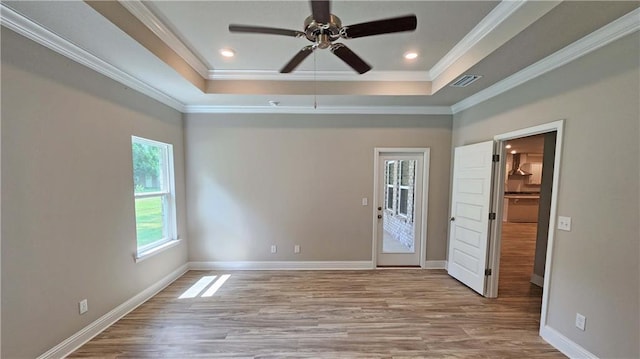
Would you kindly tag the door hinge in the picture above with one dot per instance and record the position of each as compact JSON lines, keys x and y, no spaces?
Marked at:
{"x":487,"y":271}
{"x":492,"y":216}
{"x":495,"y":158}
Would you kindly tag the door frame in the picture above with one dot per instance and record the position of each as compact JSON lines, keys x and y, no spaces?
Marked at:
{"x":425,"y":152}
{"x":491,"y":290}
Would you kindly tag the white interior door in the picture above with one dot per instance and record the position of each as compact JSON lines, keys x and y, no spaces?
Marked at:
{"x":399,"y":209}
{"x":470,"y":207}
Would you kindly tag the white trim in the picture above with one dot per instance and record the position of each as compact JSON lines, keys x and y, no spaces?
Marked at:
{"x":87,"y":333}
{"x":499,"y":14}
{"x":426,"y":160}
{"x":613,"y":31}
{"x":31,"y":30}
{"x":280,"y":265}
{"x":144,"y":255}
{"x":149,"y":19}
{"x":537,"y":280}
{"x":304,"y":75}
{"x":435,"y":265}
{"x":565,"y":345}
{"x":557,"y":126}
{"x":368,"y":110}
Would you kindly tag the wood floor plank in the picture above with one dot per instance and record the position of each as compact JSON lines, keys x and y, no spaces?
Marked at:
{"x":404,"y":313}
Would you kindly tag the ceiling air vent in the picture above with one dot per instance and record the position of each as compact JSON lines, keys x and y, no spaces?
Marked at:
{"x":465,"y":81}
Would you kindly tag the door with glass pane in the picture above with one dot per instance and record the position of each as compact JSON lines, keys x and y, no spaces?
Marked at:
{"x":399,"y":209}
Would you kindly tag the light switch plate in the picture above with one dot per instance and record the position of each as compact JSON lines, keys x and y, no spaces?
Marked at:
{"x":365,"y":201}
{"x":581,"y":321}
{"x":564,"y":223}
{"x":83,"y":306}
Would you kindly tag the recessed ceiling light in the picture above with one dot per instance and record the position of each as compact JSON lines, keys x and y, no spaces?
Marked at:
{"x":411,"y":55}
{"x":227,"y":53}
{"x":514,"y":152}
{"x":507,"y":146}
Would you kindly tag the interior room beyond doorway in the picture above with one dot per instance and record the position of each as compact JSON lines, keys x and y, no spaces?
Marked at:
{"x":519,"y":276}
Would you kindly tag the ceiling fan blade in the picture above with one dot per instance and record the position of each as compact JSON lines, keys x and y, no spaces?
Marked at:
{"x":348,"y":56}
{"x":265,"y":30}
{"x":321,"y":11}
{"x":386,"y":26}
{"x":297,"y":59}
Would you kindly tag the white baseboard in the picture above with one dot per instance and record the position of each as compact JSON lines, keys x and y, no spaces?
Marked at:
{"x":435,"y":265}
{"x":281,"y":265}
{"x":537,"y":280}
{"x":565,"y":345}
{"x":87,"y":333}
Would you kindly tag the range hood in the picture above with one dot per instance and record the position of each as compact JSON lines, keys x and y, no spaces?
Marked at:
{"x":516,"y":170}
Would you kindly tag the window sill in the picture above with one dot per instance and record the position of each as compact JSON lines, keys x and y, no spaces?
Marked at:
{"x":139,"y":257}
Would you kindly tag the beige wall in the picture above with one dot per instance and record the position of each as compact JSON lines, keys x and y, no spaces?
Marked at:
{"x":595,"y":266}
{"x":68,"y":228}
{"x":257,"y":180}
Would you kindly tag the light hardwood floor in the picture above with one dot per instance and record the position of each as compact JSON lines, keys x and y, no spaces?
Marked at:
{"x":403,"y":313}
{"x":516,"y":262}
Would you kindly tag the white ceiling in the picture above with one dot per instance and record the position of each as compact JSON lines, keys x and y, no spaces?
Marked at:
{"x":197,"y":21}
{"x":494,"y":39}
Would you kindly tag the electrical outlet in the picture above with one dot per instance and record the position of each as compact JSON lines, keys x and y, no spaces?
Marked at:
{"x":581,"y":321}
{"x":564,"y":223}
{"x":296,"y":248}
{"x":83,"y":306}
{"x":274,"y":249}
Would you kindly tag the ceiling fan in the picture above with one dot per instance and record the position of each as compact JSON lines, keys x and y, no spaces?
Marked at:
{"x":323,"y":28}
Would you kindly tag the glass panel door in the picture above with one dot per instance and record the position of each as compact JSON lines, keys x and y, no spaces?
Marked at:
{"x":398,"y":216}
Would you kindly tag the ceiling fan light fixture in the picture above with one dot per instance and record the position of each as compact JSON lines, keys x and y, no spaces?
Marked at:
{"x":227,"y":52}
{"x":411,"y":55}
{"x":322,"y":28}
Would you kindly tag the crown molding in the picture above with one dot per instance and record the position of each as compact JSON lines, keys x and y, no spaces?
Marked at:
{"x":33,"y":31}
{"x":151,"y":21}
{"x":342,"y":110}
{"x":257,"y":75}
{"x":499,"y":14}
{"x":613,"y":31}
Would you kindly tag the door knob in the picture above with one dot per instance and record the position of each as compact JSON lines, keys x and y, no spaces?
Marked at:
{"x":379,"y":208}
{"x":453,"y":219}
{"x":379,"y":216}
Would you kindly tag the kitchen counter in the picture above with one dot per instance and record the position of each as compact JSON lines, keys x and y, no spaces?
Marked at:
{"x":522,"y":195}
{"x":521,"y":206}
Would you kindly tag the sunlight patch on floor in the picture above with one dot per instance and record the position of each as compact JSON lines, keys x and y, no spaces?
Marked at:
{"x":214,"y":288}
{"x":202,"y":284}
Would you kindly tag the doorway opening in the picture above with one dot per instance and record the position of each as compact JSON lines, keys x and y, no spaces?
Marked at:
{"x":526,"y":207}
{"x":480,"y":180}
{"x":400,"y":201}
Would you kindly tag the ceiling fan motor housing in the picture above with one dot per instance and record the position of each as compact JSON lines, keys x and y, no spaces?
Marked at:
{"x":322,"y":34}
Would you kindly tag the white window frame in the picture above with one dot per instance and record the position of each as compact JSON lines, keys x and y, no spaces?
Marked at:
{"x":168,"y":198}
{"x":400,"y":188}
{"x":392,"y":186}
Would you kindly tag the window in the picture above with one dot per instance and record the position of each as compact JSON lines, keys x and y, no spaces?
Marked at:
{"x":399,"y":182}
{"x":390,"y":184}
{"x":404,"y":188}
{"x":154,"y":193}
